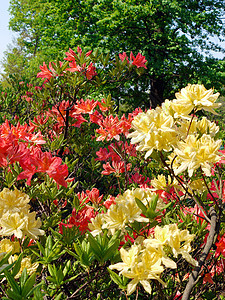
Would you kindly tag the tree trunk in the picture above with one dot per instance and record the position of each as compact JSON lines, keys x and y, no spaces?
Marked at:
{"x":156,"y":92}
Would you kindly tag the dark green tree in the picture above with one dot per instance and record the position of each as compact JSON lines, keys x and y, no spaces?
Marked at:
{"x":174,"y":36}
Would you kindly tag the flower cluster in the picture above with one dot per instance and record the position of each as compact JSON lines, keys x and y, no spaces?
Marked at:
{"x":139,"y":61}
{"x":125,"y":211}
{"x":15,"y":216}
{"x":147,"y":258}
{"x":115,"y":156}
{"x":20,"y":144}
{"x":170,"y":128}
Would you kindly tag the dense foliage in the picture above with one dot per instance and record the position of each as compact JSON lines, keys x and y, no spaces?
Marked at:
{"x":174,"y":36}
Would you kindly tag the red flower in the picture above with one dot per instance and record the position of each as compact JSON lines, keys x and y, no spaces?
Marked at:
{"x":220,"y":246}
{"x":102,"y":154}
{"x":71,"y":55}
{"x":109,"y":202}
{"x":93,"y":196}
{"x":86,"y":107}
{"x":90,"y":73}
{"x":117,"y":168}
{"x":138,"y":61}
{"x":82,"y":217}
{"x":74,"y":67}
{"x":45,"y":73}
{"x":96,"y":117}
{"x":124,"y":56}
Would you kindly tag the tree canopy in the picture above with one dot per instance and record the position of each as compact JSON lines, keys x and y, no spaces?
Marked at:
{"x":174,"y":36}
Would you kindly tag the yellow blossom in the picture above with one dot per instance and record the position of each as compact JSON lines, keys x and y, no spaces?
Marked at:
{"x":163,"y":183}
{"x":196,"y":96}
{"x":178,"y":240}
{"x":193,"y":153}
{"x":25,"y":263}
{"x":32,"y":226}
{"x":8,"y":246}
{"x":96,"y":224}
{"x":126,"y":210}
{"x":200,"y":127}
{"x":134,"y":266}
{"x":158,"y":131}
{"x":20,"y":225}
{"x":12,"y":223}
{"x":13,"y":201}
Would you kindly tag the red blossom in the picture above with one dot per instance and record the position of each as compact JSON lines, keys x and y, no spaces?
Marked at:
{"x":90,"y":73}
{"x":220,"y":246}
{"x":86,"y":107}
{"x":138,"y":61}
{"x":71,"y":55}
{"x":93,"y":196}
{"x":82,"y":217}
{"x":74,"y":67}
{"x":109,"y":201}
{"x":96,"y":117}
{"x":124,"y":56}
{"x":117,"y":168}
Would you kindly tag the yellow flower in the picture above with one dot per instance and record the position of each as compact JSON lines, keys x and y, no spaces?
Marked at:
{"x":154,"y":253}
{"x":7,"y":246}
{"x":193,"y":153}
{"x":178,"y":240}
{"x":198,"y":186}
{"x":25,"y":263}
{"x":198,"y":97}
{"x":96,"y":224}
{"x":20,"y":225}
{"x":129,"y":258}
{"x":126,"y":210}
{"x":134,"y":266}
{"x":181,"y":109}
{"x":163,"y":183}
{"x":12,"y":223}
{"x":32,"y":225}
{"x":203,"y":126}
{"x":153,"y":130}
{"x":13,"y":201}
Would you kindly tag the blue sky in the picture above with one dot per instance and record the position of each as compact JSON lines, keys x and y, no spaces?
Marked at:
{"x":7,"y":36}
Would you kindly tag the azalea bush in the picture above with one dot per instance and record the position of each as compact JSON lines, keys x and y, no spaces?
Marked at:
{"x":95,"y":204}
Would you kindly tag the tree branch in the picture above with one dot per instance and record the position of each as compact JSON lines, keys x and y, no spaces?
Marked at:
{"x":210,"y":241}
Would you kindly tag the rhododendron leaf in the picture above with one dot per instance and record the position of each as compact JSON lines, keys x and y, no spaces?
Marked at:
{"x":84,"y":253}
{"x":48,"y":245}
{"x":112,"y":250}
{"x":120,"y":281}
{"x":12,"y":282}
{"x":151,"y":214}
{"x":66,"y":268}
{"x":153,"y":202}
{"x":17,"y":265}
{"x":95,"y":247}
{"x":23,"y":277}
{"x":141,"y":205}
{"x":4,"y":261}
{"x":59,"y":296}
{"x":72,"y":188}
{"x":13,"y":295}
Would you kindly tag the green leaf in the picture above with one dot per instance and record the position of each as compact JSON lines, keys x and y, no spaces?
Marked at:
{"x":153,"y":202}
{"x":23,"y":278}
{"x":17,"y":265}
{"x":12,"y":282}
{"x":117,"y":279}
{"x":29,"y":284}
{"x":141,"y":206}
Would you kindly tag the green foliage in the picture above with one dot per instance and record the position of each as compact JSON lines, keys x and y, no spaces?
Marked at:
{"x":169,"y":33}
